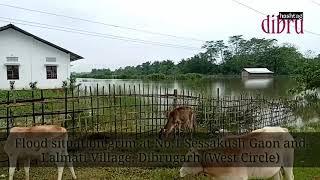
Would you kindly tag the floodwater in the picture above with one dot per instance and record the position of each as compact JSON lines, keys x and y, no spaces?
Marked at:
{"x":270,"y":87}
{"x":276,"y":87}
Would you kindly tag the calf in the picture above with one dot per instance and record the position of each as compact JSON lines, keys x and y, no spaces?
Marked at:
{"x":234,"y":171}
{"x":33,"y":135}
{"x":179,"y":118}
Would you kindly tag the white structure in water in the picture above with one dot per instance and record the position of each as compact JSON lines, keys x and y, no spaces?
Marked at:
{"x":26,"y":58}
{"x":256,"y":73}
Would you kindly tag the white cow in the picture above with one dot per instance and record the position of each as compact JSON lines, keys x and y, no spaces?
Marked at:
{"x":238,"y":172}
{"x":22,"y":144}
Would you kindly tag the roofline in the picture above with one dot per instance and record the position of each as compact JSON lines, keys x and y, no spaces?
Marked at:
{"x":261,"y":72}
{"x":271,"y":72}
{"x":73,"y":56}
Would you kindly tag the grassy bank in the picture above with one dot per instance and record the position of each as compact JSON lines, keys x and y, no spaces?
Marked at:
{"x":28,"y":94}
{"x":112,"y":111}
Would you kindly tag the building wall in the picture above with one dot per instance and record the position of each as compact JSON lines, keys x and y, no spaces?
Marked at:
{"x":244,"y":74}
{"x":32,"y":59}
{"x":252,"y":75}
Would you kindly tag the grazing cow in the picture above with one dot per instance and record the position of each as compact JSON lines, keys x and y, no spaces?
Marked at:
{"x":181,"y":118}
{"x":230,"y":170}
{"x":23,"y":144}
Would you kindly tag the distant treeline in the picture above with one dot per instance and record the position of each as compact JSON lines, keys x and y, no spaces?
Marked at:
{"x":218,"y":58}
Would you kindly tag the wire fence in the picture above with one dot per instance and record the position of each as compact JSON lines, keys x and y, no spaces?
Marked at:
{"x":137,"y":109}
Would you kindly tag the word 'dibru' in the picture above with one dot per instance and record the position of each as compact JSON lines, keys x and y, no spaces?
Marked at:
{"x":285,"y":22}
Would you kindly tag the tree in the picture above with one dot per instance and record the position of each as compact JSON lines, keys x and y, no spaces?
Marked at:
{"x":195,"y":64}
{"x":309,"y":76}
{"x":211,"y":51}
{"x":234,"y":43}
{"x":239,"y":53}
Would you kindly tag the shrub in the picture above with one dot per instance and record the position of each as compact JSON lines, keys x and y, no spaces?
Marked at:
{"x":33,"y":85}
{"x":189,"y":76}
{"x":156,"y":76}
{"x":64,"y":84}
{"x":11,"y":83}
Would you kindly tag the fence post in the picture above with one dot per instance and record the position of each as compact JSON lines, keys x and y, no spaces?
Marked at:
{"x":33,"y":115}
{"x":42,"y":107}
{"x":85,"y":102}
{"x":103,"y":101}
{"x":204,"y":107}
{"x":218,"y":98}
{"x":140,"y":109}
{"x":85,"y":95}
{"x":115,"y":109}
{"x":65,"y":106}
{"x":175,"y":94}
{"x":91,"y":106}
{"x":160,"y":109}
{"x":152,"y":123}
{"x":78,"y":108}
{"x":110,"y":107}
{"x":212,"y":118}
{"x":125,"y":106}
{"x":135,"y":109}
{"x":98,"y":112}
{"x":167,"y":96}
{"x":183,"y":97}
{"x":239,"y":110}
{"x":144,"y":110}
{"x":148,"y":113}
{"x":73,"y":123}
{"x":8,"y":102}
{"x":120,"y":109}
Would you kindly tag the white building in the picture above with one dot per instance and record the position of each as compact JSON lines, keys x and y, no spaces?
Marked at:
{"x":26,"y":58}
{"x":256,"y":73}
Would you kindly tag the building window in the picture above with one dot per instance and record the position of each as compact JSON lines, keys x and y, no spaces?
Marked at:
{"x":12,"y":72}
{"x":51,"y":72}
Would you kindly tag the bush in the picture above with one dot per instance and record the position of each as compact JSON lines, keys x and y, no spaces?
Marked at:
{"x":11,"y":83}
{"x":189,"y":76}
{"x":123,"y":76}
{"x":64,"y":84}
{"x":156,"y":76}
{"x":33,"y":85}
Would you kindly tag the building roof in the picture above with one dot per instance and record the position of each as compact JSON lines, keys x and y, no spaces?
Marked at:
{"x":73,"y":56}
{"x":258,"y":70}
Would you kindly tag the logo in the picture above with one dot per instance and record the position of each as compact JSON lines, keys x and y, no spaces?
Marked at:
{"x":285,"y":22}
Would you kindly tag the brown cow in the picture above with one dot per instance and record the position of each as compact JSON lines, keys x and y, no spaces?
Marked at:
{"x":234,"y":170}
{"x":181,"y":118}
{"x":23,"y":144}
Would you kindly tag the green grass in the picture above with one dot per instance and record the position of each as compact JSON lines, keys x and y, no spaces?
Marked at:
{"x":125,"y":115}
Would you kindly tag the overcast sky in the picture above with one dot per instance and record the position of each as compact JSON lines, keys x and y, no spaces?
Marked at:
{"x":198,"y":19}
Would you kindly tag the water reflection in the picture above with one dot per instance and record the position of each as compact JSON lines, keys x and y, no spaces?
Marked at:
{"x":257,"y":83}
